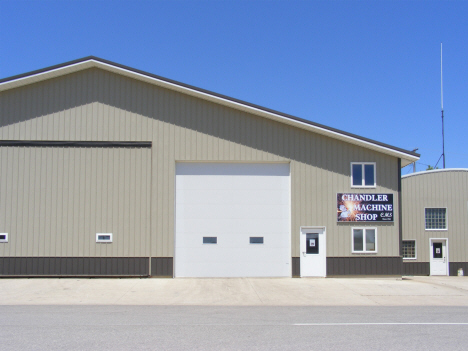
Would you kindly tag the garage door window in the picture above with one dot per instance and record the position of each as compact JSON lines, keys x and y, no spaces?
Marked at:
{"x":210,"y":240}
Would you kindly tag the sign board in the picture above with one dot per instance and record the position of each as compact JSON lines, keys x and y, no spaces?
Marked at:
{"x":364,"y":207}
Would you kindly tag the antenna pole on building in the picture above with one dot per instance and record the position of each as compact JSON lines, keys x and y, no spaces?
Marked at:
{"x":414,"y":163}
{"x":442,"y":106}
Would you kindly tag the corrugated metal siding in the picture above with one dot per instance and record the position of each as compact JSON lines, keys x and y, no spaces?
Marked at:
{"x":72,"y":266}
{"x":98,"y":105}
{"x":162,"y":266}
{"x":296,"y":266}
{"x":437,"y":189}
{"x":364,"y":266}
{"x":53,"y":201}
{"x":455,"y":266}
{"x":416,"y":268}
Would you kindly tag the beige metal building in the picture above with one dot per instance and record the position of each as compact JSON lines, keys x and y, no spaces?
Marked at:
{"x":435,"y":224}
{"x":108,"y":170}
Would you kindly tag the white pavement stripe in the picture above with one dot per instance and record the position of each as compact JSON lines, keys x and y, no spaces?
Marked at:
{"x":389,"y":323}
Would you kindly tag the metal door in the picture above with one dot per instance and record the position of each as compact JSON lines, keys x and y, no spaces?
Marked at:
{"x":313,"y":252}
{"x":438,"y":256}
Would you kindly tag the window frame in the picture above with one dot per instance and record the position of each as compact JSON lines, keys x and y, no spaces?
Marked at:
{"x":363,"y":180}
{"x":101,"y":241}
{"x":415,"y":250}
{"x":6,"y":238}
{"x":436,"y":229}
{"x":364,"y":251}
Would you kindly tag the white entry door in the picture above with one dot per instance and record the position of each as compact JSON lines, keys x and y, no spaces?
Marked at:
{"x":313,"y":252}
{"x":439,"y":256}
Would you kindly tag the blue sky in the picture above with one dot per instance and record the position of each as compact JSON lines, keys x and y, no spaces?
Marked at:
{"x":367,"y":67}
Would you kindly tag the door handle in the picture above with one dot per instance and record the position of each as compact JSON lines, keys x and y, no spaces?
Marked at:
{"x":444,"y":259}
{"x":304,"y":253}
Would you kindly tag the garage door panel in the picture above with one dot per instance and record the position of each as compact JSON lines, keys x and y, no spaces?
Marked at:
{"x":255,"y":196}
{"x":232,"y":202}
{"x":232,"y":169}
{"x":250,"y":212}
{"x":256,"y":262}
{"x":204,"y":227}
{"x":228,"y":239}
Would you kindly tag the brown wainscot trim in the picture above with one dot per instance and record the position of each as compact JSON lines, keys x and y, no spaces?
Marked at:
{"x":73,"y":266}
{"x":162,"y":267}
{"x":455,"y":266}
{"x":296,"y":267}
{"x":339,"y":266}
{"x":416,"y":268}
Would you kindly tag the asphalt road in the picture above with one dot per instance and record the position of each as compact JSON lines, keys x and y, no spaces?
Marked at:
{"x":232,"y":328}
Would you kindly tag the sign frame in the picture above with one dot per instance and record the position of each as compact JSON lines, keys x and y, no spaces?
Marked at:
{"x":365,"y":207}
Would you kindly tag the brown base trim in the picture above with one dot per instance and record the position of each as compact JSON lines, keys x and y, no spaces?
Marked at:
{"x":296,"y":267}
{"x":340,"y":266}
{"x":162,"y":267}
{"x":454,"y":266}
{"x":74,"y":266}
{"x":424,"y":268}
{"x":416,"y":268}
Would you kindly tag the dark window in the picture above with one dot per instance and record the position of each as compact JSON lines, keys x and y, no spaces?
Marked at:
{"x":437,"y":250}
{"x":363,"y":174}
{"x":357,"y":174}
{"x":210,"y":240}
{"x":312,"y":244}
{"x":103,"y":237}
{"x":369,"y":175}
{"x":256,"y":239}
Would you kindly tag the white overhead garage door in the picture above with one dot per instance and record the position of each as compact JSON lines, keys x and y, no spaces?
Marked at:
{"x":232,"y":220}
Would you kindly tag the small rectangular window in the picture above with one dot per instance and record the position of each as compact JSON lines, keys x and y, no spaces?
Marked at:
{"x":369,"y":175}
{"x":363,"y":174}
{"x":358,"y":240}
{"x":357,"y":174}
{"x":3,"y":237}
{"x":210,"y":240}
{"x":436,"y":218}
{"x":409,"y":249}
{"x":256,"y":239}
{"x":103,"y":237}
{"x":364,"y":240}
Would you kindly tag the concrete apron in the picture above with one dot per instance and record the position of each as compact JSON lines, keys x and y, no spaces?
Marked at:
{"x":409,"y":291}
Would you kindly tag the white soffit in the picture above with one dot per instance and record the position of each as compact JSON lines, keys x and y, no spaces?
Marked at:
{"x":406,"y":159}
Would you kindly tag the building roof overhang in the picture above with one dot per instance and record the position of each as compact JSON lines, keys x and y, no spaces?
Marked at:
{"x":435,"y":171}
{"x":406,"y":156}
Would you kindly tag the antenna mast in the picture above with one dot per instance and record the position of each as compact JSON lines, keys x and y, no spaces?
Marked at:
{"x":442,"y":105}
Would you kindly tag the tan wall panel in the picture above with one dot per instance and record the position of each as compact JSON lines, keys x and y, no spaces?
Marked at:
{"x":437,"y":189}
{"x":55,"y":200}
{"x":98,"y":105}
